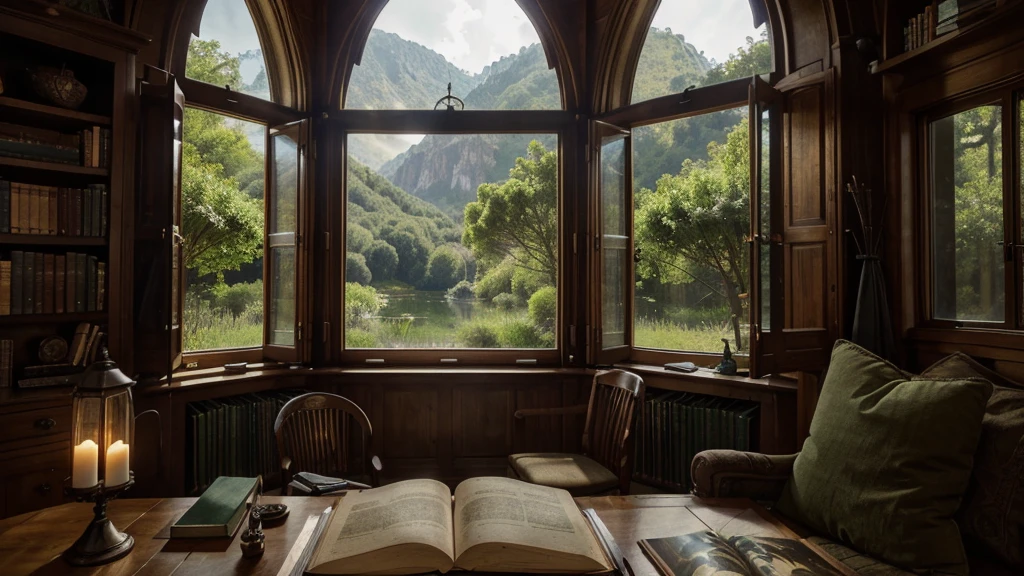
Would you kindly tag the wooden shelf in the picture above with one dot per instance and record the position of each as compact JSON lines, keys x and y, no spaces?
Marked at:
{"x":32,"y":111}
{"x":53,"y":318}
{"x":46,"y":240}
{"x":52,"y":167}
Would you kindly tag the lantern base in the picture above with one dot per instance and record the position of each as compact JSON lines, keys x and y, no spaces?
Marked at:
{"x":100,"y":544}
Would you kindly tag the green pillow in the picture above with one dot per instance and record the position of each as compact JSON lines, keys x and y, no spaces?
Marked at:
{"x":888,"y":460}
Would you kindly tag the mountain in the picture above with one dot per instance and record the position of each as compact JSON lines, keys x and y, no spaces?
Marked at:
{"x":667,"y":64}
{"x":397,"y":74}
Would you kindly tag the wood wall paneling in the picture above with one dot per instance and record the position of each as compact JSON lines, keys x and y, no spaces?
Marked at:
{"x":410,"y":424}
{"x":481,"y":421}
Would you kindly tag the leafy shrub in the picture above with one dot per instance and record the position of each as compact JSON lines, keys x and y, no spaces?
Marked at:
{"x":361,"y":302}
{"x":520,"y":334}
{"x":356,"y":270}
{"x":526,"y":282}
{"x":461,"y":291}
{"x":505,"y":301}
{"x":358,"y":239}
{"x":543,"y":306}
{"x":496,"y":280}
{"x":382,"y":261}
{"x":237,"y":297}
{"x":478,"y":335}
{"x":357,"y":338}
{"x":445,"y":269}
{"x":413,"y":251}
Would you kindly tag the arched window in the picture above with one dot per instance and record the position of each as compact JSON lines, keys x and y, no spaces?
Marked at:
{"x":698,"y":43}
{"x":240,"y":196}
{"x":227,"y":52}
{"x":487,"y":49}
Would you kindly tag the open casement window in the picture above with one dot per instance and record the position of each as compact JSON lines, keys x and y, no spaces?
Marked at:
{"x":284,"y":266}
{"x":158,"y":273}
{"x":613,"y":243}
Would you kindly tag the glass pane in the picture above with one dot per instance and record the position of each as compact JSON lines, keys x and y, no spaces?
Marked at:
{"x":452,"y":242}
{"x":487,"y":50}
{"x":282,"y":296}
{"x":766,"y":219}
{"x":967,"y":216}
{"x":227,"y":51}
{"x":698,"y":43}
{"x":283,"y":208}
{"x":692,"y":218}
{"x":614,"y":241}
{"x":222,"y":227}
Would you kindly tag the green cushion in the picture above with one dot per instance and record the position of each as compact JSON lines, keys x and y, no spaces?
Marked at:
{"x":887,"y":461}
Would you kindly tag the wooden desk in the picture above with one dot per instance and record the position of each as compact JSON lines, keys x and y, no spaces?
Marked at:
{"x":32,"y":543}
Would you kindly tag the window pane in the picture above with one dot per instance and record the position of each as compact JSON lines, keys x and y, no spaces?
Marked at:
{"x":692,"y":218}
{"x":764,"y":248}
{"x":453,"y":243}
{"x":967,"y":216}
{"x":222,"y":227}
{"x":282,"y":296}
{"x":227,"y":51}
{"x":488,"y":51}
{"x":286,"y":185}
{"x":698,"y":43}
{"x":614,"y":241}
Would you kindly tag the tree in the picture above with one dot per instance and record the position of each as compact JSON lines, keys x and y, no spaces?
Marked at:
{"x":445,"y":269}
{"x":518,"y":218}
{"x":356,"y":270}
{"x":382,"y":260}
{"x":756,"y":58}
{"x":700,"y":218}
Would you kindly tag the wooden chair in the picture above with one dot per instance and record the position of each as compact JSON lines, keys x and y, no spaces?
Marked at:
{"x":314,"y":434}
{"x":606,"y":463}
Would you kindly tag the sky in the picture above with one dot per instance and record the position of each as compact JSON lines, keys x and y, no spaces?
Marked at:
{"x":474,"y":33}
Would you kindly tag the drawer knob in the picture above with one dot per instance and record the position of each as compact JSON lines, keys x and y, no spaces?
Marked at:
{"x":45,"y":488}
{"x":46,"y":423}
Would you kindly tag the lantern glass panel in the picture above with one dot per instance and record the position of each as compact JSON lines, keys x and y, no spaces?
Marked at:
{"x":117,"y":437}
{"x":87,"y":413}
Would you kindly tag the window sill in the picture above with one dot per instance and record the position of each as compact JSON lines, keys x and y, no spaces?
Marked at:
{"x":705,"y":381}
{"x":986,"y":343}
{"x":191,"y":379}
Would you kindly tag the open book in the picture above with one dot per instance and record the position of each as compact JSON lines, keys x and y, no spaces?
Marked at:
{"x":495,"y":525}
{"x":708,"y":554}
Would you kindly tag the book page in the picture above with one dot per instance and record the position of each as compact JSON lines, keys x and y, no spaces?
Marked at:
{"x":539,"y":519}
{"x":404,"y":514}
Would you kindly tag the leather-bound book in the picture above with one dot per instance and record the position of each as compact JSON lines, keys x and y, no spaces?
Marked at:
{"x":17,"y":280}
{"x":218,"y":512}
{"x":5,"y":287}
{"x":52,"y":204}
{"x":15,"y":208}
{"x":59,"y":294}
{"x":38,"y":285}
{"x":28,"y":286}
{"x":48,"y":283}
{"x":70,"y":281}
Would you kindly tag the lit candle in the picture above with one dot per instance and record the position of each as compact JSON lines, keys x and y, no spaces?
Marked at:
{"x":86,"y":465}
{"x":117,"y":464}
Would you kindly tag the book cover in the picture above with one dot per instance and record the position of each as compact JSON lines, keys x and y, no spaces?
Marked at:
{"x":95,"y":134}
{"x":44,"y":209}
{"x":76,"y":352}
{"x":101,"y":285}
{"x":15,"y":208}
{"x":34,"y":206}
{"x":90,"y":285}
{"x":59,"y":295}
{"x":97,"y":199}
{"x":218,"y":512}
{"x":25,"y":209}
{"x":80,"y":282}
{"x":5,"y":207}
{"x":37,"y":283}
{"x":87,"y":212}
{"x":70,"y":282}
{"x":709,"y":554}
{"x":104,"y":209}
{"x":17,"y":281}
{"x":52,"y":212}
{"x":48,"y":283}
{"x":76,"y":213}
{"x":5,"y":287}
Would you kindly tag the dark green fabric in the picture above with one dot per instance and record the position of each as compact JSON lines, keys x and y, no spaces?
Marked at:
{"x":888,"y":460}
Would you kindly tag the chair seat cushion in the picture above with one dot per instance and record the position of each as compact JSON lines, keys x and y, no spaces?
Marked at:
{"x":576,"y":473}
{"x":888,"y":460}
{"x":992,"y":515}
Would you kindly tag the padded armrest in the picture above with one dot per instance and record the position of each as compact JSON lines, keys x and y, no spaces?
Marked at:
{"x":735,"y":474}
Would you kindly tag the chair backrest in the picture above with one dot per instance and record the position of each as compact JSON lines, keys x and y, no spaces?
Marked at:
{"x":606,"y":435}
{"x":315,"y":434}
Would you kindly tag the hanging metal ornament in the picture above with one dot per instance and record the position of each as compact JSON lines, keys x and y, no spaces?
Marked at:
{"x":450,"y":102}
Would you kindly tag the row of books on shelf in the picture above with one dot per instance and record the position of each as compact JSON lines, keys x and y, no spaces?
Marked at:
{"x":89,"y":147}
{"x":84,"y":350}
{"x":676,"y":426}
{"x":49,"y":210}
{"x":233,"y":436}
{"x":942,"y":17}
{"x":6,"y":363}
{"x":37,"y":283}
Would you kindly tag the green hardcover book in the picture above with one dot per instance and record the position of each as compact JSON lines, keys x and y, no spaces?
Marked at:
{"x":218,"y":512}
{"x":701,"y":437}
{"x":191,"y":440}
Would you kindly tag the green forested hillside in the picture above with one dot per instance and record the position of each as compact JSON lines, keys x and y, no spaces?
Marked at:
{"x":668,"y":64}
{"x":520,"y":81}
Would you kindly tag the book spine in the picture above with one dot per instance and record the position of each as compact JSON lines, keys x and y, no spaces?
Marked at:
{"x":26,"y":208}
{"x":5,"y":287}
{"x":101,"y":286}
{"x":97,"y":200}
{"x":28,"y":289}
{"x":52,"y":204}
{"x":44,"y":209}
{"x":38,"y":286}
{"x":62,"y":211}
{"x":95,"y":133}
{"x":5,"y":207}
{"x":48,"y":283}
{"x":104,"y":209}
{"x":15,"y":208}
{"x":34,"y":205}
{"x":6,"y":363}
{"x":59,"y":296}
{"x":76,"y":220}
{"x":17,"y":280}
{"x":80,"y":279}
{"x":90,"y":295}
{"x":87,"y":212}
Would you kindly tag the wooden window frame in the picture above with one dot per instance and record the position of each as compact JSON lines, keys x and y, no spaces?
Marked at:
{"x":226,"y":102}
{"x":701,"y":101}
{"x":342,"y":123}
{"x":1010,"y":97}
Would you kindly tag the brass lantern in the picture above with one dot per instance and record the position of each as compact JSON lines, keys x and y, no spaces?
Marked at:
{"x":102,"y":434}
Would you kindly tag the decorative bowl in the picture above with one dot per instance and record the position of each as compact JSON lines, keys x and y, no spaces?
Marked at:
{"x":58,"y":86}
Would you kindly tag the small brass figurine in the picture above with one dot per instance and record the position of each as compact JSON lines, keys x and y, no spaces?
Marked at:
{"x":728,"y":365}
{"x":253,"y":541}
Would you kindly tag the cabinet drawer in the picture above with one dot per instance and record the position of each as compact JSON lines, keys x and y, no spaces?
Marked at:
{"x":36,"y":423}
{"x":40,"y":488}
